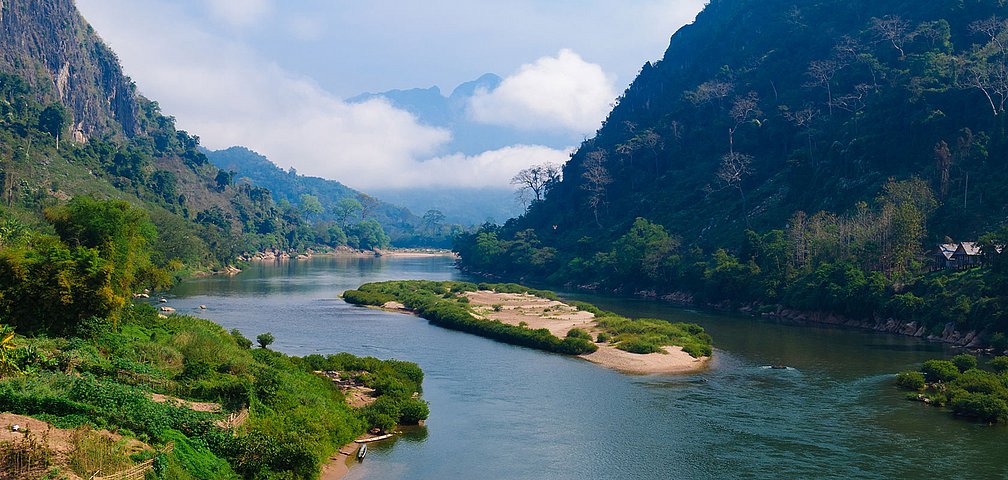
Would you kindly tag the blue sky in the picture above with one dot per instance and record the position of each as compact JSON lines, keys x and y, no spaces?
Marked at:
{"x":271,"y":74}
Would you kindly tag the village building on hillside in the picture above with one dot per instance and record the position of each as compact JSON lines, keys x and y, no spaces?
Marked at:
{"x":959,"y":256}
{"x":944,"y":256}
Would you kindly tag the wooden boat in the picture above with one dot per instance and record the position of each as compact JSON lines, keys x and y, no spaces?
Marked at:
{"x":375,"y":439}
{"x":361,"y":452}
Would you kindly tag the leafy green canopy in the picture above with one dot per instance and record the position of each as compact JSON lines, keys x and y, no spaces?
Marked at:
{"x":101,"y":257}
{"x":958,"y":384}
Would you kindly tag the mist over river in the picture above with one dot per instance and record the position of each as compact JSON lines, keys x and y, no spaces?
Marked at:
{"x":500,"y":411}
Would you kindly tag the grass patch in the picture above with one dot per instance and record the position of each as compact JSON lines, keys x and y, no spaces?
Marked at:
{"x":92,"y":453}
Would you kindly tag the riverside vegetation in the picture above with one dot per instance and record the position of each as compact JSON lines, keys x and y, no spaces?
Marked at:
{"x":444,"y":304}
{"x":85,"y":355}
{"x":961,"y":386}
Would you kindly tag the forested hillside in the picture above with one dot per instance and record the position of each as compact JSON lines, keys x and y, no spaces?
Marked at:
{"x":72,"y":124}
{"x":789,"y":152}
{"x":329,"y":201}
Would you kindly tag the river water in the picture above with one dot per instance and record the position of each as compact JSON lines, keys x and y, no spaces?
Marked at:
{"x":499,"y":411}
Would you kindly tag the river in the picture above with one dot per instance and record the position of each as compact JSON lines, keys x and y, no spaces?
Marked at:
{"x":500,"y":411}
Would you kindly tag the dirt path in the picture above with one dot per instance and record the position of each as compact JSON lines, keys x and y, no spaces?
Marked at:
{"x":196,"y":406}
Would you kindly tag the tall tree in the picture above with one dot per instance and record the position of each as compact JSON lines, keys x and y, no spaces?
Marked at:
{"x":734,"y":169}
{"x":53,"y":120}
{"x":368,"y":205}
{"x":744,"y":109}
{"x":346,"y":209}
{"x":311,"y":207}
{"x":597,"y":178}
{"x":536,"y":180}
{"x":433,"y":221}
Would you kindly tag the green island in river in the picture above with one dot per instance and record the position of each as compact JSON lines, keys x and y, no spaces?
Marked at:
{"x":533,"y":318}
{"x":961,"y":386}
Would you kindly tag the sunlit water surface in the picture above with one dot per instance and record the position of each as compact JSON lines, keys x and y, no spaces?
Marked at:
{"x":499,"y":411}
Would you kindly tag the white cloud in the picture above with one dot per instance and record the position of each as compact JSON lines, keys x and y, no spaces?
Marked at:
{"x":240,"y":13}
{"x":555,"y":93}
{"x":493,"y":168}
{"x":228,"y":95}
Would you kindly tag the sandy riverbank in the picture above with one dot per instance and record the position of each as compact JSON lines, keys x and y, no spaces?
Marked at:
{"x":346,"y":252}
{"x":340,"y":463}
{"x":559,"y":318}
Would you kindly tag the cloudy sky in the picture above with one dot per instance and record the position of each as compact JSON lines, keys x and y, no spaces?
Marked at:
{"x":271,"y":75}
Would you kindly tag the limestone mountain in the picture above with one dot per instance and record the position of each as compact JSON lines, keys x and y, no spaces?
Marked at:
{"x":53,"y":49}
{"x":72,"y":124}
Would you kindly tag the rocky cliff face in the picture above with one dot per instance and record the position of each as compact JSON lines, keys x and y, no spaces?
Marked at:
{"x":49,"y":45}
{"x":949,"y":334}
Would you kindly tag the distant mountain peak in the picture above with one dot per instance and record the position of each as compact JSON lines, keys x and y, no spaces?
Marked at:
{"x":469,"y":136}
{"x":488,"y":81}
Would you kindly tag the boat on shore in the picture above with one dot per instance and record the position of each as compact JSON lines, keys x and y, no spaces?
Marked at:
{"x":361,"y":452}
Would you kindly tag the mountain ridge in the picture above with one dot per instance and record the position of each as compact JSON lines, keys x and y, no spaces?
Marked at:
{"x":256,"y":169}
{"x":796,"y":155}
{"x":432,"y":107}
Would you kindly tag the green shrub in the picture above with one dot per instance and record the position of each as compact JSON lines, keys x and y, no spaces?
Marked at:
{"x":578,"y":333}
{"x":939,"y":371}
{"x":697,"y":350}
{"x":910,"y":380}
{"x":265,"y":339}
{"x":999,"y":364}
{"x":412,"y":411}
{"x":638,"y":345}
{"x":603,"y":337}
{"x":358,"y":297}
{"x":979,"y":381}
{"x":964,"y":362}
{"x":586,"y":307}
{"x":981,"y":406}
{"x":240,"y":339}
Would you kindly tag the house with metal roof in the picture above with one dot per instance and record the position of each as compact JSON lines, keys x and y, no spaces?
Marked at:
{"x":959,"y":256}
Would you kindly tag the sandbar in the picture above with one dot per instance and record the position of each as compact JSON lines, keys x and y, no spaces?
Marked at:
{"x":559,"y":318}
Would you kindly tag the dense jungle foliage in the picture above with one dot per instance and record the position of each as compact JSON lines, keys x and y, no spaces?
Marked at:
{"x":445,"y":304}
{"x":962,"y":387}
{"x":802,"y":154}
{"x":93,"y":357}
